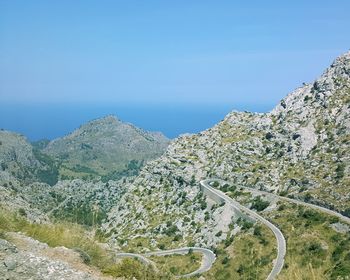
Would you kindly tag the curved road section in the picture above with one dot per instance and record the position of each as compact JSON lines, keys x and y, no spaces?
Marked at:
{"x":140,"y":257}
{"x":281,"y":242}
{"x":209,"y":257}
{"x":316,"y":207}
{"x":207,"y":260}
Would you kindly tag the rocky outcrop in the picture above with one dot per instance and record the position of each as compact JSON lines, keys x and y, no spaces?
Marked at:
{"x":35,"y":260}
{"x":17,"y":157}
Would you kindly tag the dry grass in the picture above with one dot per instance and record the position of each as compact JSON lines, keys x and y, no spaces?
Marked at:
{"x":248,"y":257}
{"x":178,"y":264}
{"x":314,"y":249}
{"x":69,"y":235}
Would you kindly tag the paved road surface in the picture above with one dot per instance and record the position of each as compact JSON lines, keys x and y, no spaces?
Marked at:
{"x":209,"y":257}
{"x":207,"y":261}
{"x":281,"y":242}
{"x":316,"y":207}
{"x":140,"y":257}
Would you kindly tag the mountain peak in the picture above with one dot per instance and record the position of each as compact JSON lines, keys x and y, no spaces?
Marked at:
{"x":108,"y":119}
{"x":341,"y":60}
{"x":319,"y":93}
{"x":106,"y":145}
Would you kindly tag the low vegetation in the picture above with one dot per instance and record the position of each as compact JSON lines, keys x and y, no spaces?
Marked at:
{"x":259,"y":205}
{"x":176,"y":265}
{"x":133,"y":269}
{"x":76,"y":237}
{"x":60,"y":234}
{"x":314,"y":249}
{"x":248,"y":255}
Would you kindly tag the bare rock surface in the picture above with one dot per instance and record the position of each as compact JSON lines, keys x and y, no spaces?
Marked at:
{"x":31,"y":259}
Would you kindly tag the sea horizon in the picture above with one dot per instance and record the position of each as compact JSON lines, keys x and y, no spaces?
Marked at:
{"x":50,"y":121}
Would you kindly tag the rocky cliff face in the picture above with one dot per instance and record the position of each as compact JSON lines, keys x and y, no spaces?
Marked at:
{"x":300,"y":149}
{"x":18,"y":160}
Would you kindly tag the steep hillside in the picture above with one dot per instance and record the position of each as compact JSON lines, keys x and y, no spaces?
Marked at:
{"x":20,"y":160}
{"x":106,"y":147}
{"x":299,"y":149}
{"x":76,"y":201}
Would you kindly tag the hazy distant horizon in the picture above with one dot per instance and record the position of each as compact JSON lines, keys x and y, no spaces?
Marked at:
{"x":165,"y":51}
{"x":50,"y":121}
{"x":157,"y":56}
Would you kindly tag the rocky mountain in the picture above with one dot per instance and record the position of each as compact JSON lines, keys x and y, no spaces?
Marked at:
{"x":105,"y":147}
{"x":301,"y":149}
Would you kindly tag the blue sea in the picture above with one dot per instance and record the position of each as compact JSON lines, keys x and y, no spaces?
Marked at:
{"x":52,"y":121}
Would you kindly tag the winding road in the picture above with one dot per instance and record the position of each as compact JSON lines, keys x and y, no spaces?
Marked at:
{"x":281,"y":242}
{"x":207,"y":260}
{"x":291,"y":200}
{"x":208,"y":255}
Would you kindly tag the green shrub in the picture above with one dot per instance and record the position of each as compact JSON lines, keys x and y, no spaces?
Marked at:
{"x":177,"y":237}
{"x":257,"y":231}
{"x":203,"y":204}
{"x":311,"y":215}
{"x":340,"y":170}
{"x":341,"y":270}
{"x":259,"y":204}
{"x":246,"y":225}
{"x":171,"y":230}
{"x":225,"y":260}
{"x":228,"y":241}
{"x":83,"y":255}
{"x":131,"y":269}
{"x":346,"y":212}
{"x":307,"y":197}
{"x":22,"y":212}
{"x":315,"y":247}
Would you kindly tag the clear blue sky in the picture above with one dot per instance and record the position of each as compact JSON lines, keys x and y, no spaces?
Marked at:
{"x":237,"y":54}
{"x":166,"y":51}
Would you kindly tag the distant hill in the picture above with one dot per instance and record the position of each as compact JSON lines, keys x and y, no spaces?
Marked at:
{"x":105,"y":147}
